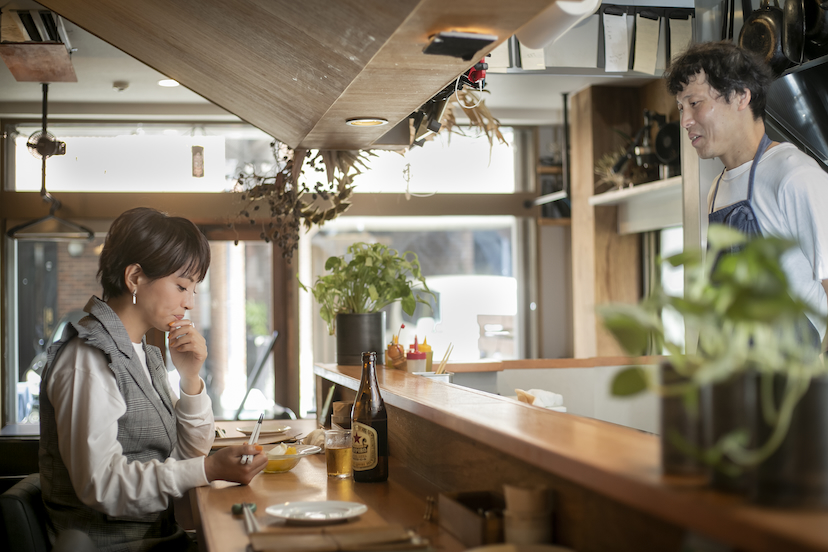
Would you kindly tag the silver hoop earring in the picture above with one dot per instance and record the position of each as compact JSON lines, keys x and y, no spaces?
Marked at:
{"x":134,"y":296}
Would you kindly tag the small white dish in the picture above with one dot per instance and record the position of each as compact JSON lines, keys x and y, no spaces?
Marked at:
{"x":268,"y":428}
{"x":317,"y":512}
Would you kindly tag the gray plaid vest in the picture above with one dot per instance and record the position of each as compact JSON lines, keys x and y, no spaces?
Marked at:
{"x":147,"y":431}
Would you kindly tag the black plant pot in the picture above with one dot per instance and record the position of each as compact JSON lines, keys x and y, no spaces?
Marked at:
{"x":796,"y":475}
{"x":359,"y":333}
{"x":677,"y":424}
{"x":729,"y":406}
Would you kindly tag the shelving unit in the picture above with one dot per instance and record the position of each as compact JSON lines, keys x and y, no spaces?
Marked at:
{"x":645,"y":207}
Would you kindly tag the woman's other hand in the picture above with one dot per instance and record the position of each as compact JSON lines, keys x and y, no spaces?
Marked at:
{"x":188,"y":350}
{"x":226,"y":465}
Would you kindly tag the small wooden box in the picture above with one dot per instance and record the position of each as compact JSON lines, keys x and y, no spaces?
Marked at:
{"x":475,"y":518}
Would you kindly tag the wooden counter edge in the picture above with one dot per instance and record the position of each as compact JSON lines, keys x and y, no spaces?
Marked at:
{"x":632,"y":477}
{"x":486,"y":365}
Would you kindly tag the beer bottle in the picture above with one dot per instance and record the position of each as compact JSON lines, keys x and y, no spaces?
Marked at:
{"x":369,"y":426}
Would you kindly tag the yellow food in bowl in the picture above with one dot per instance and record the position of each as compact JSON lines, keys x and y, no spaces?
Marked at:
{"x":281,"y":459}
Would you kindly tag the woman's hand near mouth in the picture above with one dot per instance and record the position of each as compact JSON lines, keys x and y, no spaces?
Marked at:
{"x":188,"y":350}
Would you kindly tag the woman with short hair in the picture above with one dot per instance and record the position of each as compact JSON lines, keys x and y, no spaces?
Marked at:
{"x":116,"y":446}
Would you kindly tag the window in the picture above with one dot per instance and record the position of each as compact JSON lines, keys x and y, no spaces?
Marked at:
{"x":450,"y":163}
{"x":468,"y":262}
{"x":54,"y":281}
{"x":672,"y":280}
{"x":114,"y":157}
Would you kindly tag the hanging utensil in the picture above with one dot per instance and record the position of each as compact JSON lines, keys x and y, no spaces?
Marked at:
{"x":793,"y":30}
{"x":43,"y":145}
{"x":762,"y":34}
{"x":815,"y":14}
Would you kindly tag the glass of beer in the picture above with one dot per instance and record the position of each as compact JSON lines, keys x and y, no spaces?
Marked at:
{"x":338,"y":453}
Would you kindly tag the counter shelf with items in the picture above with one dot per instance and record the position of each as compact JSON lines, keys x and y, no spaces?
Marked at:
{"x":603,"y":475}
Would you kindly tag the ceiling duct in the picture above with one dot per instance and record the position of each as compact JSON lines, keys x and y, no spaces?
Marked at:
{"x":798,"y":108}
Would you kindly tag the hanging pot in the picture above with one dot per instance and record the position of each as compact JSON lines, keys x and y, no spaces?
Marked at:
{"x":359,"y":333}
{"x":815,"y":16}
{"x":762,"y":34}
{"x":793,"y":30}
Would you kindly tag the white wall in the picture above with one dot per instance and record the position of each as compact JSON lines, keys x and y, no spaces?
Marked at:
{"x":586,"y":392}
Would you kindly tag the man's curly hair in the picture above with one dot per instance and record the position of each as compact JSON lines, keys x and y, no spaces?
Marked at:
{"x":728,"y":69}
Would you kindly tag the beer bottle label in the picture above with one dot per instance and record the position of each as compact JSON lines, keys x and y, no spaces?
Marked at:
{"x":364,"y":447}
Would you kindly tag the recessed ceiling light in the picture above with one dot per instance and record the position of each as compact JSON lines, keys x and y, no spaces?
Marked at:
{"x":169,"y":83}
{"x":366,"y":121}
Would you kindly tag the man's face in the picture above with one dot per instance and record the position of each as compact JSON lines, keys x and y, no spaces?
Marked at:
{"x":711,"y":122}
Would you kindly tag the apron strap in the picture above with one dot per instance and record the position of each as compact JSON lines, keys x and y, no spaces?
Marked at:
{"x":763,"y":145}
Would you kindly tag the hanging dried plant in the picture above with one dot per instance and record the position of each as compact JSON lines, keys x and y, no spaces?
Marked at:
{"x":282,"y":201}
{"x":478,"y":113}
{"x":608,"y":180}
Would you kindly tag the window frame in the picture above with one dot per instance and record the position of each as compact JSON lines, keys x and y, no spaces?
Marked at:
{"x":210,"y":211}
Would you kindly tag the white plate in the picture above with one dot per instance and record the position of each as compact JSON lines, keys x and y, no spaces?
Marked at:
{"x":268,"y":428}
{"x":317,"y":512}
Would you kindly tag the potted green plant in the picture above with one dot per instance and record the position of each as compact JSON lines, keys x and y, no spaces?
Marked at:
{"x":750,"y":339}
{"x":368,"y":277}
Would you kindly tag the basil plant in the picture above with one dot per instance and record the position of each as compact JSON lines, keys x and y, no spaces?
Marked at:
{"x":367,"y":278}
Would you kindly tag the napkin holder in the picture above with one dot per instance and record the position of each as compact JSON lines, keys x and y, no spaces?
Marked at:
{"x":474,"y":518}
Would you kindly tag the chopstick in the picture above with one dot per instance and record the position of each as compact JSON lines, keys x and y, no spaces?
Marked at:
{"x":442,"y":368}
{"x":251,"y":525}
{"x":254,"y":436}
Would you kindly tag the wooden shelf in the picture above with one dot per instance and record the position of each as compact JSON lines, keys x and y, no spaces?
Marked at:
{"x":554,"y":221}
{"x":645,"y":207}
{"x":550,"y":169}
{"x":629,"y":194}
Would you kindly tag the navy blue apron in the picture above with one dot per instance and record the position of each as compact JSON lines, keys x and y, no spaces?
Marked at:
{"x":741,"y":216}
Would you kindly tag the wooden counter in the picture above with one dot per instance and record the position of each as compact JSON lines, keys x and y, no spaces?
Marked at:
{"x":610,"y":492}
{"x":401,"y":500}
{"x":488,"y":365}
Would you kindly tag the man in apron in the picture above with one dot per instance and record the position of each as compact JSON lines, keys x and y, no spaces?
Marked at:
{"x":766,"y":188}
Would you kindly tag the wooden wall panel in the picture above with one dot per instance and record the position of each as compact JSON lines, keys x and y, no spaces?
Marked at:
{"x":583,"y":520}
{"x":582,"y":226}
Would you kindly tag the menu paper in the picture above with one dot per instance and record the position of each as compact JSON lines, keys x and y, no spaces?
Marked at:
{"x":646,"y":44}
{"x":616,"y":43}
{"x":681,"y":34}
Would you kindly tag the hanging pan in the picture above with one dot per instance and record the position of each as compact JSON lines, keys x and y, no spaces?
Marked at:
{"x":815,"y":15}
{"x":793,"y":30}
{"x":762,"y":33}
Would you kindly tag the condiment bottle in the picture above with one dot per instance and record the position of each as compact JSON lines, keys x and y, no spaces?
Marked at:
{"x":369,"y":426}
{"x":395,"y":355}
{"x":416,"y":361}
{"x":426,"y":348}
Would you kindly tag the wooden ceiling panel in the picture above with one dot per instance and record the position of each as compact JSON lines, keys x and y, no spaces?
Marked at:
{"x":401,"y":78}
{"x":297,"y":70}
